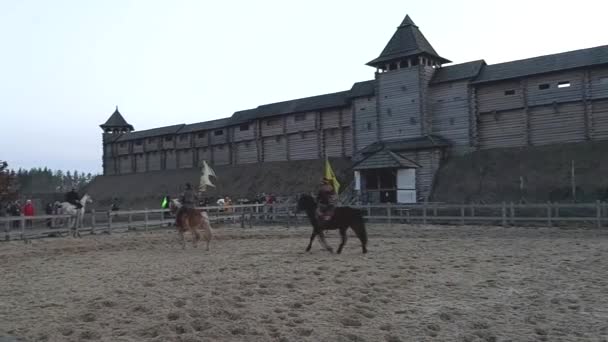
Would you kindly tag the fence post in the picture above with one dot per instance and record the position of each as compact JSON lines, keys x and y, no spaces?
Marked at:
{"x":93,"y":221}
{"x":504,"y":214}
{"x":473,"y":210}
{"x":407,"y":214}
{"x":462,"y":215}
{"x":388,"y":209}
{"x":512,"y":214}
{"x":7,"y":229}
{"x":424,"y":212}
{"x":22,"y":224}
{"x":130,"y":220}
{"x":146,"y":219}
{"x":109,"y":222}
{"x":598,"y":210}
{"x":549,"y":210}
{"x":605,"y":212}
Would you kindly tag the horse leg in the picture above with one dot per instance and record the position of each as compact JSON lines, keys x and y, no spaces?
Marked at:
{"x":324,"y":242}
{"x":195,"y":236}
{"x":182,"y":238}
{"x":359,"y":229}
{"x":343,"y":235}
{"x":312,"y":238}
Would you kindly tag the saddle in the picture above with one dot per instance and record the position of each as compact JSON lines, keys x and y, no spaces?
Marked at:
{"x":325,"y":215}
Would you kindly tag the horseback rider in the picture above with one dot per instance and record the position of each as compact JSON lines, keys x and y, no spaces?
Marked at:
{"x":188,"y":197}
{"x":73,"y":198}
{"x":326,"y":199}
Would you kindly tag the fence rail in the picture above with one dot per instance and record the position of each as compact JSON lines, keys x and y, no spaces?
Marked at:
{"x":504,"y":214}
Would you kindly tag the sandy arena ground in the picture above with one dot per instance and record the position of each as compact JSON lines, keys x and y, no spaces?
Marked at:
{"x":432,"y":283}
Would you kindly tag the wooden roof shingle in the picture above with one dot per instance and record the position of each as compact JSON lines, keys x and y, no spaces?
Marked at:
{"x":149,"y":133}
{"x":385,"y":159}
{"x":116,"y":121}
{"x":396,"y":145}
{"x":458,"y":72}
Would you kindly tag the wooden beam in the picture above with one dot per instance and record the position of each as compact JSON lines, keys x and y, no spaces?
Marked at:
{"x":377,"y":92}
{"x":287,"y":156}
{"x":341,"y":132}
{"x":353,"y":128}
{"x":523,"y":86}
{"x":319,"y":134}
{"x":587,"y":110}
{"x":473,"y":116}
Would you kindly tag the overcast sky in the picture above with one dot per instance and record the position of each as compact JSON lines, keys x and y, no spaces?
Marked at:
{"x":65,"y":65}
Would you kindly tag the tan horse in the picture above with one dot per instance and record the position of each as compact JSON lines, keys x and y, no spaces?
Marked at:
{"x":189,"y":219}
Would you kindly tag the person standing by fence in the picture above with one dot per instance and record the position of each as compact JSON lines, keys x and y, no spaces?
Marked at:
{"x":28,"y":210}
{"x":14,"y":209}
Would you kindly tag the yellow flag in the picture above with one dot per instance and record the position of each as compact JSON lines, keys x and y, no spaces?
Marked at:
{"x":329,"y":174}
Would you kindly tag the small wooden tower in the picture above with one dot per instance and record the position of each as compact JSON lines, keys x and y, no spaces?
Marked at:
{"x":408,"y":47}
{"x":116,"y":124}
{"x":114,"y":127}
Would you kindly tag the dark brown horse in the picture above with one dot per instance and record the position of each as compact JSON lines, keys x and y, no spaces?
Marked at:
{"x":343,"y":218}
{"x":190,"y":219}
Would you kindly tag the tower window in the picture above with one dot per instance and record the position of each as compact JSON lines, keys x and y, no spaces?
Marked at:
{"x":563,"y":84}
{"x":412,"y":120}
{"x":300,"y":117}
{"x":150,"y":140}
{"x":272,"y":122}
{"x":544,"y":86}
{"x":122,"y":144}
{"x":369,"y":126}
{"x":168,"y":138}
{"x":509,"y":92}
{"x":452,"y":121}
{"x":218,"y":132}
{"x":389,"y":111}
{"x":183,"y":137}
{"x":277,"y":138}
{"x":138,"y":143}
{"x":244,"y":127}
{"x":201,"y":135}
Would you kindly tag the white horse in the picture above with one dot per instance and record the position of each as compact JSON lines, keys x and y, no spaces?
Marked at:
{"x":75,"y":221}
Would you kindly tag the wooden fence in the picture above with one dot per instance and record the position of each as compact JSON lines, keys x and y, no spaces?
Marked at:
{"x":504,"y":214}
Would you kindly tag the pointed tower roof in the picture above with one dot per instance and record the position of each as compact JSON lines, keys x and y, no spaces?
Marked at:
{"x":116,"y":121}
{"x":408,"y":41}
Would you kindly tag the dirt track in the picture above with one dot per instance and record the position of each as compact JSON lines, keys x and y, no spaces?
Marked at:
{"x":416,"y":284}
